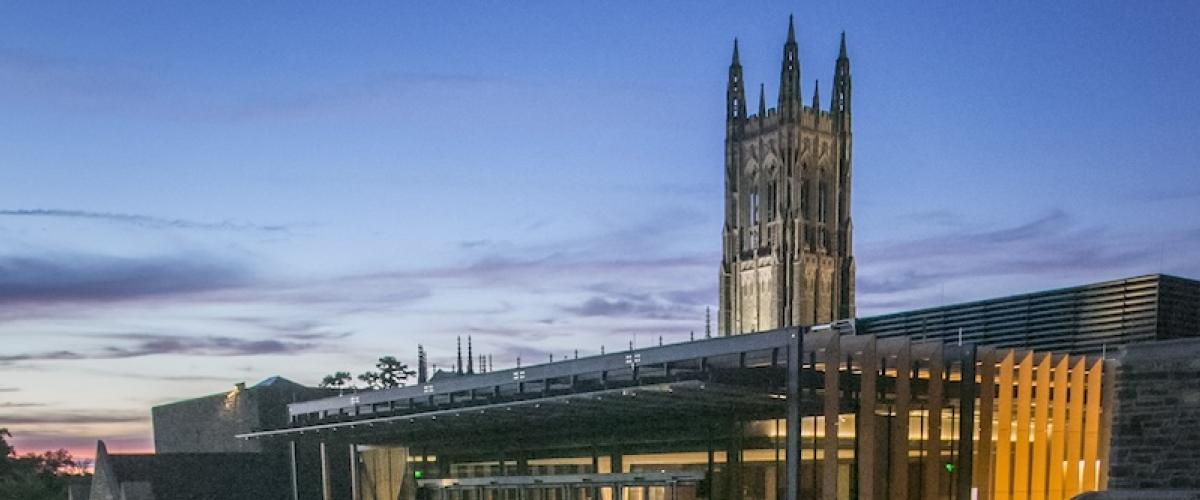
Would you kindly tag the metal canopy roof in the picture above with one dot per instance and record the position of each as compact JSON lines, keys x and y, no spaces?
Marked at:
{"x":685,"y":351}
{"x":690,"y":399}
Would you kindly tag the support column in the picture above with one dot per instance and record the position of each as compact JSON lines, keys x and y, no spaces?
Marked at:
{"x":898,"y":486}
{"x":1021,"y":464}
{"x":1002,"y":485}
{"x":710,"y":471}
{"x":617,"y":467}
{"x":933,"y":458}
{"x":1106,"y":410}
{"x":355,"y":486}
{"x":865,"y":453}
{"x":595,"y":490}
{"x":733,"y":461}
{"x":987,"y":392}
{"x":1075,"y":428}
{"x":326,"y":480}
{"x":1058,"y":419}
{"x":295,"y":472}
{"x":1041,"y":422}
{"x":829,"y":467}
{"x":792,"y":461}
{"x":1091,"y":426}
{"x":964,"y":469}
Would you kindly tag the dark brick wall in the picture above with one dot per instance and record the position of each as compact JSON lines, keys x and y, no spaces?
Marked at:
{"x":1156,"y":421}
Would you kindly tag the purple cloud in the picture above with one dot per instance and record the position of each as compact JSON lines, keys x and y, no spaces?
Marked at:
{"x":904,"y":274}
{"x":73,"y":417}
{"x":145,"y":221}
{"x":99,"y":278}
{"x":140,"y":344}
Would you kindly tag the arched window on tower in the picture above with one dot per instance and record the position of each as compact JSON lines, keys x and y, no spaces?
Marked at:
{"x":771,"y":200}
{"x":754,"y":208}
{"x":822,"y":202}
{"x":805,"y":194}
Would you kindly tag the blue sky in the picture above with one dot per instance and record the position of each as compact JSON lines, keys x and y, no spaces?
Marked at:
{"x":196,"y":195}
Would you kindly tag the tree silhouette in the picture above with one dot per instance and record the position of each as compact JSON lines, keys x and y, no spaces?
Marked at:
{"x":33,"y":476}
{"x":391,"y":373}
{"x":339,"y":380}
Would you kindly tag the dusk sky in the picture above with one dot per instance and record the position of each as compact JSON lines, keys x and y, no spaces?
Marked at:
{"x":198,"y":194}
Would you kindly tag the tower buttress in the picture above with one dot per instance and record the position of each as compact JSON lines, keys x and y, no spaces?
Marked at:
{"x":839,"y":108}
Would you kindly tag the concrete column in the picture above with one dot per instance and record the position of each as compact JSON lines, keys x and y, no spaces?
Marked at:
{"x":355,"y":487}
{"x":898,"y":470}
{"x":617,"y":467}
{"x":832,"y":405}
{"x":595,"y":469}
{"x":733,"y":461}
{"x":326,"y":480}
{"x":931,"y":488}
{"x":710,"y":471}
{"x":982,"y":469}
{"x":792,"y":460}
{"x":865,"y":452}
{"x":966,"y":425}
{"x":293,"y":470}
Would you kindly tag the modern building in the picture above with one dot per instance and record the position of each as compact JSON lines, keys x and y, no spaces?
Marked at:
{"x":791,"y":413}
{"x":711,"y":418}
{"x":787,"y":241}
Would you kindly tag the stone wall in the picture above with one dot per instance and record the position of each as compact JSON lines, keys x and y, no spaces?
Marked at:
{"x":1156,"y":421}
{"x":208,"y":424}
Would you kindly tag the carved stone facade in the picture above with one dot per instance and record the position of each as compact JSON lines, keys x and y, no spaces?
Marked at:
{"x":787,"y":248}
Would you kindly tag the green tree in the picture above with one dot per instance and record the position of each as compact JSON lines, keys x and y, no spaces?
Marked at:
{"x":33,"y":476}
{"x":391,"y":373}
{"x":339,"y":380}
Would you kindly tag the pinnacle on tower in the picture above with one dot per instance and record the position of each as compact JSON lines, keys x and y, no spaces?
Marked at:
{"x":789,"y":76}
{"x":840,"y":100}
{"x":735,"y":95}
{"x":708,"y":323}
{"x":816,"y":95}
{"x":460,"y":365}
{"x":762,"y":100}
{"x":470,"y":357}
{"x":422,"y":371}
{"x":737,"y":60}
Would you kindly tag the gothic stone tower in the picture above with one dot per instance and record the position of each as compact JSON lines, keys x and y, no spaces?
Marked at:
{"x":788,"y":255}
